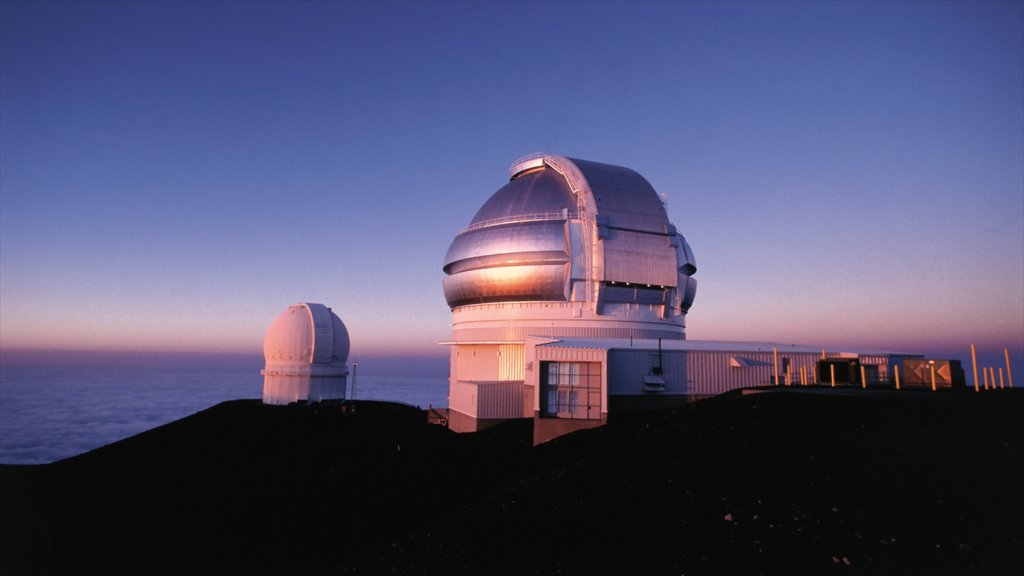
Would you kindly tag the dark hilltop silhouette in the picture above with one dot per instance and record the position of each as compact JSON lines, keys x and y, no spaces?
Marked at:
{"x":785,"y":482}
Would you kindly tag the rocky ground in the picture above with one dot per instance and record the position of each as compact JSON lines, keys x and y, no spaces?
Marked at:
{"x":774,"y":483}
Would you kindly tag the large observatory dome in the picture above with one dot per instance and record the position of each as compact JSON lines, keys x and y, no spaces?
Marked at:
{"x":305,"y":349}
{"x":567,"y":249}
{"x":567,"y":230}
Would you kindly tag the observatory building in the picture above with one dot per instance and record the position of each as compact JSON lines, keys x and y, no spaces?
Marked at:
{"x":305,"y":349}
{"x":566,"y":249}
{"x":569,"y":291}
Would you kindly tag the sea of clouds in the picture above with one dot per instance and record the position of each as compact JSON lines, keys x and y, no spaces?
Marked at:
{"x":53,"y":410}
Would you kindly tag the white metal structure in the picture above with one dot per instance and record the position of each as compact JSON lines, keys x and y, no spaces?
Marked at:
{"x":305,"y":349}
{"x":567,"y":248}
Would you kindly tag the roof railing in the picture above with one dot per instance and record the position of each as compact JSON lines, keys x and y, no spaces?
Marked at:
{"x":536,"y":217}
{"x":515,"y":167}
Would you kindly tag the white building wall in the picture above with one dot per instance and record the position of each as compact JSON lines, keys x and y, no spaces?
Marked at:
{"x":280,"y":389}
{"x":322,"y":388}
{"x":487,"y":380}
{"x":698,"y":372}
{"x":627,"y":368}
{"x":500,"y":400}
{"x":476,"y":363}
{"x":510,"y":362}
{"x":715,"y":372}
{"x":486,"y":400}
{"x":462,"y":398}
{"x":515,"y":321}
{"x":286,"y":389}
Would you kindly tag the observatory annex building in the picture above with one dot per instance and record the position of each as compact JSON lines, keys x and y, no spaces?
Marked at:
{"x":569,"y":292}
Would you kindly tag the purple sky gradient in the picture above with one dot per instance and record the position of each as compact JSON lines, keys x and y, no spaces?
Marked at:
{"x":174,"y":175}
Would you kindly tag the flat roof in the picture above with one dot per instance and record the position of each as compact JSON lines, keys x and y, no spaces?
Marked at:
{"x":708,"y":346}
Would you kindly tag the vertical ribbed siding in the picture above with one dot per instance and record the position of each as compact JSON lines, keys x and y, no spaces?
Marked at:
{"x":500,"y":400}
{"x":710,"y":373}
{"x":705,"y":373}
{"x":639,"y":258}
{"x":488,"y":399}
{"x":511,"y":362}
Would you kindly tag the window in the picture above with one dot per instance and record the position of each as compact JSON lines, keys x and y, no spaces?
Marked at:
{"x":571,"y":389}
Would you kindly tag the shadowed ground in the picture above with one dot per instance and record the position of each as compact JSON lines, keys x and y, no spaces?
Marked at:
{"x":777,"y":483}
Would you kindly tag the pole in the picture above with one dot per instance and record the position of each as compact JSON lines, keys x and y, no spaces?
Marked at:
{"x":896,"y":371}
{"x":933,"y":377}
{"x":863,"y":378}
{"x":355,"y":365}
{"x":775,"y":360}
{"x":832,"y":368}
{"x":974,"y":362}
{"x":1009,"y":375}
{"x":1000,"y":377}
{"x":984,"y":372}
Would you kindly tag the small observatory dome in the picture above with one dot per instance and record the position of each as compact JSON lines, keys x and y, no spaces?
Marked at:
{"x":305,"y":349}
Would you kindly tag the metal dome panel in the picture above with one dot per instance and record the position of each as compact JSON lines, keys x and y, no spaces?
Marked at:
{"x":537,"y":193}
{"x":689,"y":292}
{"x":306,"y":334}
{"x":624,"y":198}
{"x":519,"y":243}
{"x":639,"y":258}
{"x":289,"y":339}
{"x":506,"y":284}
{"x":684,"y":256}
{"x":564,"y":228}
{"x":323,"y":333}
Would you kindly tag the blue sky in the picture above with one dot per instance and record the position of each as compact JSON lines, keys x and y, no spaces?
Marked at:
{"x":174,"y":175}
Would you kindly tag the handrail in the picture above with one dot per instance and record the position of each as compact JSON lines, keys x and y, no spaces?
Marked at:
{"x":578,"y":185}
{"x":536,"y":217}
{"x":522,"y":160}
{"x":570,"y":173}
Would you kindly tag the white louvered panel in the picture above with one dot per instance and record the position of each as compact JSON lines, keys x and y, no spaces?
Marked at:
{"x":510,"y":362}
